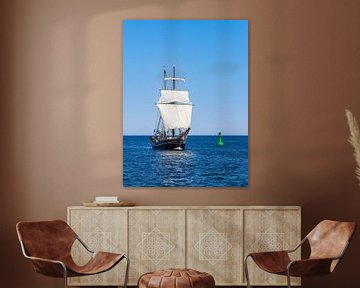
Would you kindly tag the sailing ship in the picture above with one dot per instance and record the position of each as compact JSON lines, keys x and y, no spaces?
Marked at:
{"x":173,"y":123}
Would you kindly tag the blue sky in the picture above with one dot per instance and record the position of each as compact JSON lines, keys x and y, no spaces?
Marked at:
{"x":213,"y":57}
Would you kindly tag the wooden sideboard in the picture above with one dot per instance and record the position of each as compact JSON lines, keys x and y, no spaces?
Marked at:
{"x":213,"y":239}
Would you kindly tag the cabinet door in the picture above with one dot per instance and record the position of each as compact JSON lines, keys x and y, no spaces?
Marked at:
{"x":156,"y":240}
{"x":271,"y":230}
{"x":100,"y":230}
{"x":214,"y":244}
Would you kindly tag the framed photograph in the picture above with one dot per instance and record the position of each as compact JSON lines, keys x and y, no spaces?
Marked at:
{"x":185,"y":103}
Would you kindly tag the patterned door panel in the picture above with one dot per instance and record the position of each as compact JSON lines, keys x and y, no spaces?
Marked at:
{"x":214,"y":241}
{"x":100,"y":230}
{"x":270,"y":230}
{"x":157,"y":241}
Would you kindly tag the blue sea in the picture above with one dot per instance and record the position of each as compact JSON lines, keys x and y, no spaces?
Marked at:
{"x":201,"y":164}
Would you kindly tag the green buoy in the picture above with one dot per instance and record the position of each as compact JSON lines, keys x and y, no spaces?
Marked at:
{"x":220,"y":141}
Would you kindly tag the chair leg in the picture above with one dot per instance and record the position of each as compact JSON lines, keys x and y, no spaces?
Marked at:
{"x":127,"y":270}
{"x":246,"y":272}
{"x":65,"y":276}
{"x":288,"y":278}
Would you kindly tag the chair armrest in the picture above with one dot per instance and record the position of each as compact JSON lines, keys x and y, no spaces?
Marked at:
{"x":309,"y":267}
{"x":280,"y":251}
{"x":45,"y":260}
{"x":298,"y":246}
{"x":48,"y":267}
{"x":83,"y":244}
{"x":269,"y":252}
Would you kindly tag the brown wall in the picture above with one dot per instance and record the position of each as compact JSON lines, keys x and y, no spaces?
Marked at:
{"x":61,"y":111}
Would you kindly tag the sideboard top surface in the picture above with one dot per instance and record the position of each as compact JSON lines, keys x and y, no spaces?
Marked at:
{"x":193,"y":207}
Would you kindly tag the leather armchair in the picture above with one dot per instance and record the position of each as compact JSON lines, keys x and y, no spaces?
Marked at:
{"x":328,"y":242}
{"x":48,"y":245}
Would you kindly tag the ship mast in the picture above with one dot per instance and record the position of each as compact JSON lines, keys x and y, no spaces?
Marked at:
{"x":174,"y":77}
{"x":173,"y":130}
{"x":174,"y":106}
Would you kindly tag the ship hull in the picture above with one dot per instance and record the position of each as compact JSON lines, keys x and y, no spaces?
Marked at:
{"x":167,"y":144}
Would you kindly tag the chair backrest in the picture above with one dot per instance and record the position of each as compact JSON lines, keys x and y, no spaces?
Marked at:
{"x":329,"y":239}
{"x":46,"y":239}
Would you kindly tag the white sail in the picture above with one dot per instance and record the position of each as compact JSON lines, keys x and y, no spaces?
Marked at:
{"x":175,"y":116}
{"x":167,"y":96}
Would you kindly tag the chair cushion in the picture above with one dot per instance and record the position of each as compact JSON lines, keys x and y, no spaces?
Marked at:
{"x":176,"y":278}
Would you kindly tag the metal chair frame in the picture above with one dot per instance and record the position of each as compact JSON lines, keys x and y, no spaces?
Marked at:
{"x":289,"y":265}
{"x":23,"y":249}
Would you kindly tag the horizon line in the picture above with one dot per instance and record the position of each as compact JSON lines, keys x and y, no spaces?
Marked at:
{"x":192,"y":135}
